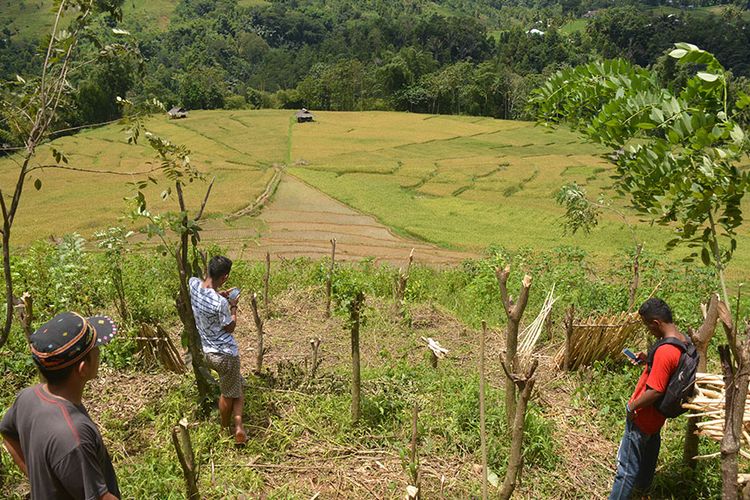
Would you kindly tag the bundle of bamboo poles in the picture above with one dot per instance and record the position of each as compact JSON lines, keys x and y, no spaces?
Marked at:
{"x":155,"y":346}
{"x":531,"y":333}
{"x":597,"y":338}
{"x":709,"y":404}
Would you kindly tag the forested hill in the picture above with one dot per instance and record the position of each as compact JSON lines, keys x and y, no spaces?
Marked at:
{"x":454,"y":56}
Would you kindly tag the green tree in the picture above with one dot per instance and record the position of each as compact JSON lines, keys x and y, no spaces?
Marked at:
{"x":676,"y":151}
{"x":31,"y":109}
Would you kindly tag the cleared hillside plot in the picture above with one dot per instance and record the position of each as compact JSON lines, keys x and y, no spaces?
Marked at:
{"x":301,"y":221}
{"x":467,"y":182}
{"x":239,"y":149}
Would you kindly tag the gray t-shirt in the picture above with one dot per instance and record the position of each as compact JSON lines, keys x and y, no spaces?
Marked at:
{"x":64,"y":452}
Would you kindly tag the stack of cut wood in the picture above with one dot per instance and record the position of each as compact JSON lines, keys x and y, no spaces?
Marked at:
{"x":598,"y":338}
{"x":709,"y":403}
{"x":155,"y":346}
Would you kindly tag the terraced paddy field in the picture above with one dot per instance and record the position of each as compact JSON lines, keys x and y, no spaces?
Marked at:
{"x":461,"y":183}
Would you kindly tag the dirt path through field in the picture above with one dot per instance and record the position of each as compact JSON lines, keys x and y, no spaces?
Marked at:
{"x":301,"y":221}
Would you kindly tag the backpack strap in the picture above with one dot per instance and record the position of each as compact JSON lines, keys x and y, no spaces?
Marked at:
{"x":665,"y":341}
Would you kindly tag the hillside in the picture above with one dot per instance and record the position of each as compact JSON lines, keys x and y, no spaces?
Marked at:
{"x":34,"y":18}
{"x":461,"y":182}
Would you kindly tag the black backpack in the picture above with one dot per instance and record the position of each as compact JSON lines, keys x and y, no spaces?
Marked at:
{"x":681,"y":386}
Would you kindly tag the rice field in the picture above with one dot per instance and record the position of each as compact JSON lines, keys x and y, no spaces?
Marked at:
{"x":463,"y":183}
{"x":468,"y":182}
{"x":238,"y":149}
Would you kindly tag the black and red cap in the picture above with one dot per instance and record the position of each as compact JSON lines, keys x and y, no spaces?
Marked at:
{"x":68,"y":337}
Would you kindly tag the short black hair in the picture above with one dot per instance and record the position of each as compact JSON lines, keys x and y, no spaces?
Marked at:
{"x":655,"y":308}
{"x":57,"y":377}
{"x":219,"y":266}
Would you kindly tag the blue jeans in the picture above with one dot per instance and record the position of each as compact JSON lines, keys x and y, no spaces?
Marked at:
{"x":636,"y":461}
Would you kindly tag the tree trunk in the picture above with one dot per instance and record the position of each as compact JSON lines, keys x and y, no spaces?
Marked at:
{"x":701,"y":338}
{"x":259,"y":349}
{"x":184,"y":449}
{"x":185,"y":312}
{"x":513,"y":311}
{"x":8,"y":285}
{"x":525,"y":385}
{"x":329,"y":282}
{"x":354,"y":318}
{"x":719,"y":263}
{"x":736,"y":384}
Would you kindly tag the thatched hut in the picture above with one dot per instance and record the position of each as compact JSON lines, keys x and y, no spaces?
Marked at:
{"x":177,"y":112}
{"x":303,"y":115}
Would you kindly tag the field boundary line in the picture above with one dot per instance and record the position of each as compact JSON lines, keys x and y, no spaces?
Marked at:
{"x":263,"y":198}
{"x":397,"y":232}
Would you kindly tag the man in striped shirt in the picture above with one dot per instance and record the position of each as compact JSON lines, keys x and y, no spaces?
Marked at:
{"x":216,"y":319}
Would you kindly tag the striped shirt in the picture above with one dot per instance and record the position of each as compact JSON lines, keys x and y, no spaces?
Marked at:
{"x":211,"y":312}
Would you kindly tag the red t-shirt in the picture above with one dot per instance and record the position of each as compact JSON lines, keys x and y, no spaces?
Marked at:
{"x":649,"y":419}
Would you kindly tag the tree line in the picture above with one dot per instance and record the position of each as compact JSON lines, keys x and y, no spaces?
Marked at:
{"x":468,"y":57}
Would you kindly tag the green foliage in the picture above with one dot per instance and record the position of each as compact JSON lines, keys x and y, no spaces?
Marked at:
{"x":580,"y":213}
{"x":678,"y":151}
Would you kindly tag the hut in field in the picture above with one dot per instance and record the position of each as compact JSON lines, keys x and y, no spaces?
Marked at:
{"x":177,"y":112}
{"x":303,"y":116}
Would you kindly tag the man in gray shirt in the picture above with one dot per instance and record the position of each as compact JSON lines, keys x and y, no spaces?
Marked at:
{"x":47,"y":431}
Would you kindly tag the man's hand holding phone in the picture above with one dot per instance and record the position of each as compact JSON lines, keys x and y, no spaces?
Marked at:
{"x":635,"y":359}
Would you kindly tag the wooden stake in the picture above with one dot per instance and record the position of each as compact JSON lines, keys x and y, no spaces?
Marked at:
{"x":413,"y":455}
{"x":354,"y":319}
{"x":184,"y":449}
{"x":329,"y":283}
{"x":266,"y":280}
{"x":259,"y":349}
{"x":569,"y":316}
{"x":402,"y":281}
{"x":315,"y":345}
{"x":636,"y":276}
{"x":25,"y":310}
{"x":482,"y":429}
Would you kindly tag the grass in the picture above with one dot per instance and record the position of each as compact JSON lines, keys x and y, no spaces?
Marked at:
{"x":34,"y":18}
{"x":302,"y":439}
{"x":466,"y":182}
{"x":460,"y":182}
{"x":238,"y":148}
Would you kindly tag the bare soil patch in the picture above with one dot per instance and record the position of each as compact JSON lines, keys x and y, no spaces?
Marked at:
{"x":300,"y":221}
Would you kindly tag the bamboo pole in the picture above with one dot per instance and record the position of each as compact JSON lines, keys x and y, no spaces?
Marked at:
{"x":482,"y":428}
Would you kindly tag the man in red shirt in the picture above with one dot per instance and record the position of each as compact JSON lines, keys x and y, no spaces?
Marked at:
{"x":639,"y":448}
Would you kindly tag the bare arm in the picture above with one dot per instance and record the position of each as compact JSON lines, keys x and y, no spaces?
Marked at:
{"x":14,"y":448}
{"x":648,"y":398}
{"x":233,"y":311}
{"x":108,"y":496}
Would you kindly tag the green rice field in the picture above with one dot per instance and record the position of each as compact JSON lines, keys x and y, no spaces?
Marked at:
{"x":463,"y":183}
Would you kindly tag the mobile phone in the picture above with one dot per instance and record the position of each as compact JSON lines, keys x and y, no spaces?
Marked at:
{"x":627,"y":352}
{"x":234,"y":293}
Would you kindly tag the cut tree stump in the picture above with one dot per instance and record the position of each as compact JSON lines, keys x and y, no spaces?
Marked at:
{"x":184,"y":449}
